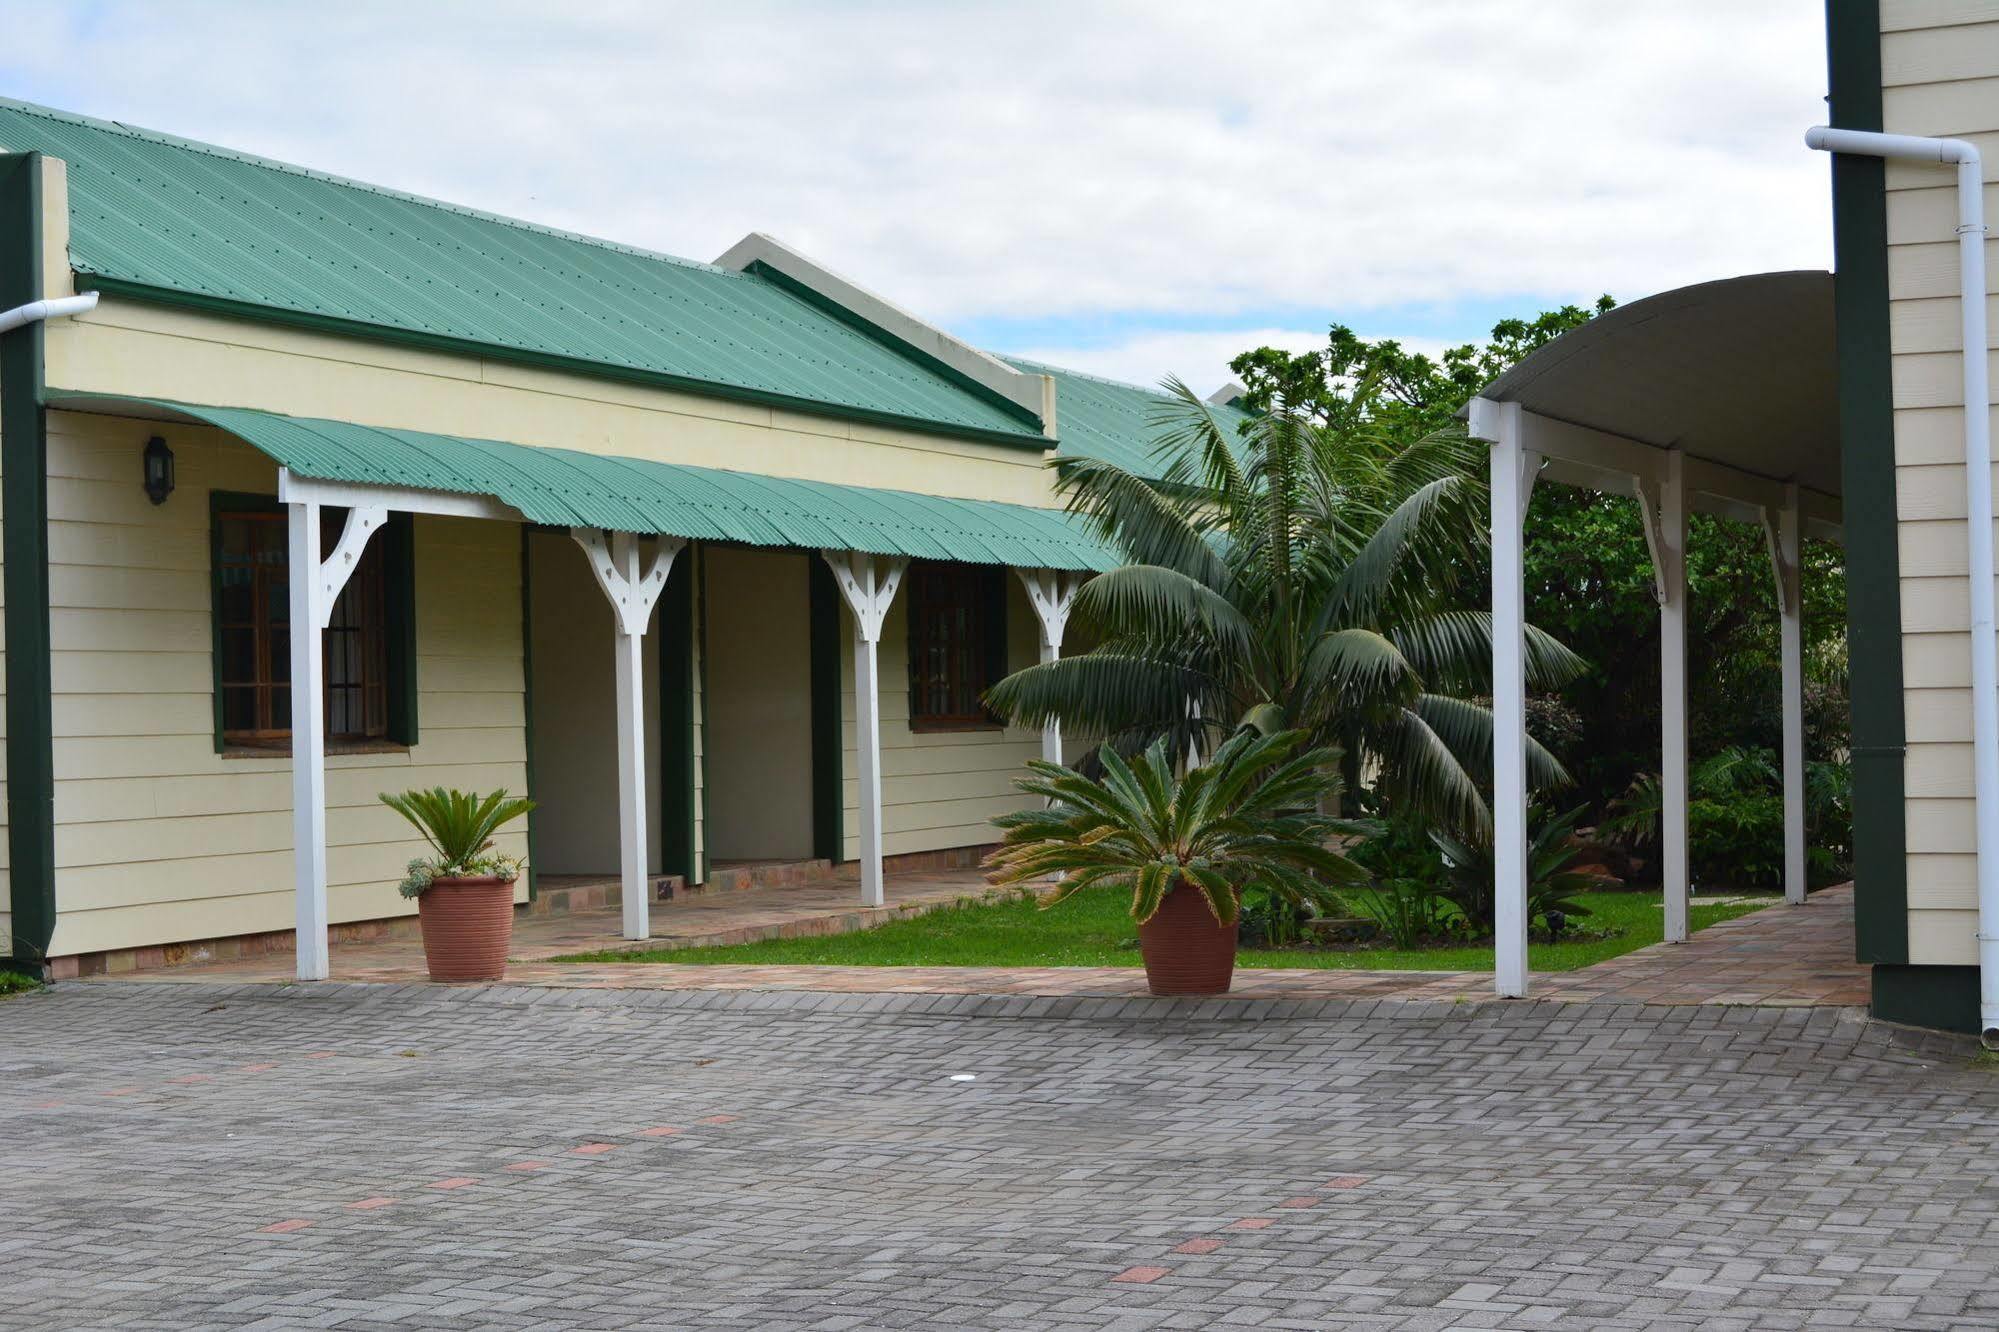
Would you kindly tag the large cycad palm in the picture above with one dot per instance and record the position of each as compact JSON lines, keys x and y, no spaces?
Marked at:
{"x":1295,"y":577}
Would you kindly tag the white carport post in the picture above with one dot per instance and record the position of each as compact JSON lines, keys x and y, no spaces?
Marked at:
{"x":868,"y":594}
{"x":1663,"y":507}
{"x":1782,"y":532}
{"x":1514,"y":470}
{"x":616,"y":566}
{"x":315,"y":585}
{"x":1051,"y":594}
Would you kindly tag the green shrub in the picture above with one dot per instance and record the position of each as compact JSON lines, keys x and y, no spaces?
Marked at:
{"x":1735,"y":818}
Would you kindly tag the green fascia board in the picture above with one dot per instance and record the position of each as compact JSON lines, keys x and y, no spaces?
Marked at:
{"x":201,"y":225}
{"x":566,"y":488}
{"x":1117,"y":423}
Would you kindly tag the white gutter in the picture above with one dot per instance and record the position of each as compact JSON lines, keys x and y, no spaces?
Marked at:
{"x":1978,"y":514}
{"x":35,"y":311}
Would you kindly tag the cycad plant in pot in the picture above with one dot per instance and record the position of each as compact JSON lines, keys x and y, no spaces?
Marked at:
{"x":1185,"y":846}
{"x":464,"y":891}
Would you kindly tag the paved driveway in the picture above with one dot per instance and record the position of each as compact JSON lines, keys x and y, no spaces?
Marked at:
{"x":511,"y":1158}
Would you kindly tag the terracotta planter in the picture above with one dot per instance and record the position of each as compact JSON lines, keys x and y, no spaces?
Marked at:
{"x":468,"y":925}
{"x":1186,"y":951}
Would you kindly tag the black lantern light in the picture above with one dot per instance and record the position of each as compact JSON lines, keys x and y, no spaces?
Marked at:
{"x":159,"y":470}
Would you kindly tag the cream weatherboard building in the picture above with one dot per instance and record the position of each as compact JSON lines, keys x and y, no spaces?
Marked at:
{"x":568,"y":495}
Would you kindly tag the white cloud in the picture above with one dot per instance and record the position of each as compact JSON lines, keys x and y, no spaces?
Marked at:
{"x":1038,"y":159}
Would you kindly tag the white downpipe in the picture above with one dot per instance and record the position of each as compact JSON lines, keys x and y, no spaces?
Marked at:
{"x":1978,"y":513}
{"x":57,"y":308}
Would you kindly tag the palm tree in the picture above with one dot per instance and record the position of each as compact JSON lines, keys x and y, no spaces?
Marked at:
{"x":1304,"y":576}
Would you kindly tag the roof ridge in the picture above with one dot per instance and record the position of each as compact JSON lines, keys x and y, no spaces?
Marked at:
{"x":1011,"y":359}
{"x":348,"y":182}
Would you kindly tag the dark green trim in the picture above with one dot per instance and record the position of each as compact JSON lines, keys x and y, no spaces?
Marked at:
{"x":527,"y":698}
{"x":907,"y":350}
{"x":24,"y":582}
{"x":676,"y":716}
{"x":354,"y":328}
{"x":1945,"y":998}
{"x":828,"y":776}
{"x":399,"y":609}
{"x":701,"y":640}
{"x":1867,"y":462}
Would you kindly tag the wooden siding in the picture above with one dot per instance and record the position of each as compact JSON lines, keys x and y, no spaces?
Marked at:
{"x":158,"y":837}
{"x":939,"y":788}
{"x":1940,"y":75}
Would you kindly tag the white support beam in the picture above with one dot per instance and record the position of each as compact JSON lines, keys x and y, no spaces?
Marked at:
{"x":868,"y":592}
{"x":1513,"y":472}
{"x":1672,"y":564}
{"x":1782,"y":533}
{"x":353,"y":495}
{"x":1052,"y":593}
{"x":314,"y":585}
{"x":632,"y":594}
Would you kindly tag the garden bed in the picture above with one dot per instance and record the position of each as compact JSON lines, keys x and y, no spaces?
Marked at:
{"x":1094,"y":930}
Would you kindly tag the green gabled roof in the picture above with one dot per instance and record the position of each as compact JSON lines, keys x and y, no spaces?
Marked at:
{"x":1119,"y":423}
{"x":155,"y":215}
{"x":565,"y":488}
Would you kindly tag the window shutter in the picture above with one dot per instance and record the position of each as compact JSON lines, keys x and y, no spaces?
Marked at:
{"x":994,"y":590}
{"x":399,"y":613}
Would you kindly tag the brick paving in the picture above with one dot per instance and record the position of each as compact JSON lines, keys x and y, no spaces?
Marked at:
{"x":1781,"y":955}
{"x":208,"y":1155}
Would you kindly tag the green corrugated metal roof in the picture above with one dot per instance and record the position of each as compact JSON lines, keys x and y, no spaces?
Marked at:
{"x":1119,"y":423}
{"x":565,"y":488}
{"x":207,"y":225}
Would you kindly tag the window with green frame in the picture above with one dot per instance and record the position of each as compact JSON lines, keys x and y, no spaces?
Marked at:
{"x":369,"y":646}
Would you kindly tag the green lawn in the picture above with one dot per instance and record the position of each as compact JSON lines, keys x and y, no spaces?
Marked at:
{"x":1094,"y":930}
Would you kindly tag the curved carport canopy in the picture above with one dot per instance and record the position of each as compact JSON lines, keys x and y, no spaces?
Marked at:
{"x":1718,"y":397}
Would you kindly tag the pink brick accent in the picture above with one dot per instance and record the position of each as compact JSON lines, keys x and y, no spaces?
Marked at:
{"x":1299,"y":1202}
{"x":455,"y":1182}
{"x":718,"y":1119}
{"x":528,"y":1165}
{"x":593,"y":1149}
{"x":284,"y":1227}
{"x":369,"y":1204}
{"x":120,"y":1091}
{"x":1198,"y":1246}
{"x":663,"y":1131}
{"x":320,"y":1054}
{"x":1139,"y":1276}
{"x":1344,"y":1182}
{"x":193,"y":1077}
{"x":256,"y":1068}
{"x":1251,"y":1223}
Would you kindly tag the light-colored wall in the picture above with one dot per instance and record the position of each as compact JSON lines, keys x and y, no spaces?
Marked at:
{"x":759,"y":775}
{"x":574,"y":713}
{"x":1940,"y":75}
{"x":133,"y":348}
{"x":939,"y":788}
{"x":158,"y":837}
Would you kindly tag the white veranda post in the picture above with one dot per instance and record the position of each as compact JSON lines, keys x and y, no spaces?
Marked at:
{"x":315,"y":584}
{"x":1785,"y":554}
{"x":1051,"y":593}
{"x":632,"y":595}
{"x":1514,"y":470}
{"x":1664,"y":509}
{"x":868,"y":592}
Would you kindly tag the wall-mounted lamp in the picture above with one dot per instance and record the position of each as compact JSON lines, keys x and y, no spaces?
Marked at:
{"x":159,"y":470}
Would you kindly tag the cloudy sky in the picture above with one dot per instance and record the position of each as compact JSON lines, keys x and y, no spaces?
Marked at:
{"x":1136,"y":188}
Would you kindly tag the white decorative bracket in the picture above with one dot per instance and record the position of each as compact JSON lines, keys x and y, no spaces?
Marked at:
{"x":1052,"y":594}
{"x":1530,"y":471}
{"x":1783,"y":569}
{"x":337,"y":568}
{"x":616,"y":566}
{"x":1648,"y":514}
{"x":868,"y":592}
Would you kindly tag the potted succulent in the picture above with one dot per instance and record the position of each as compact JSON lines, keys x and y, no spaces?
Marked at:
{"x":465,"y":891}
{"x":1185,"y":846}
